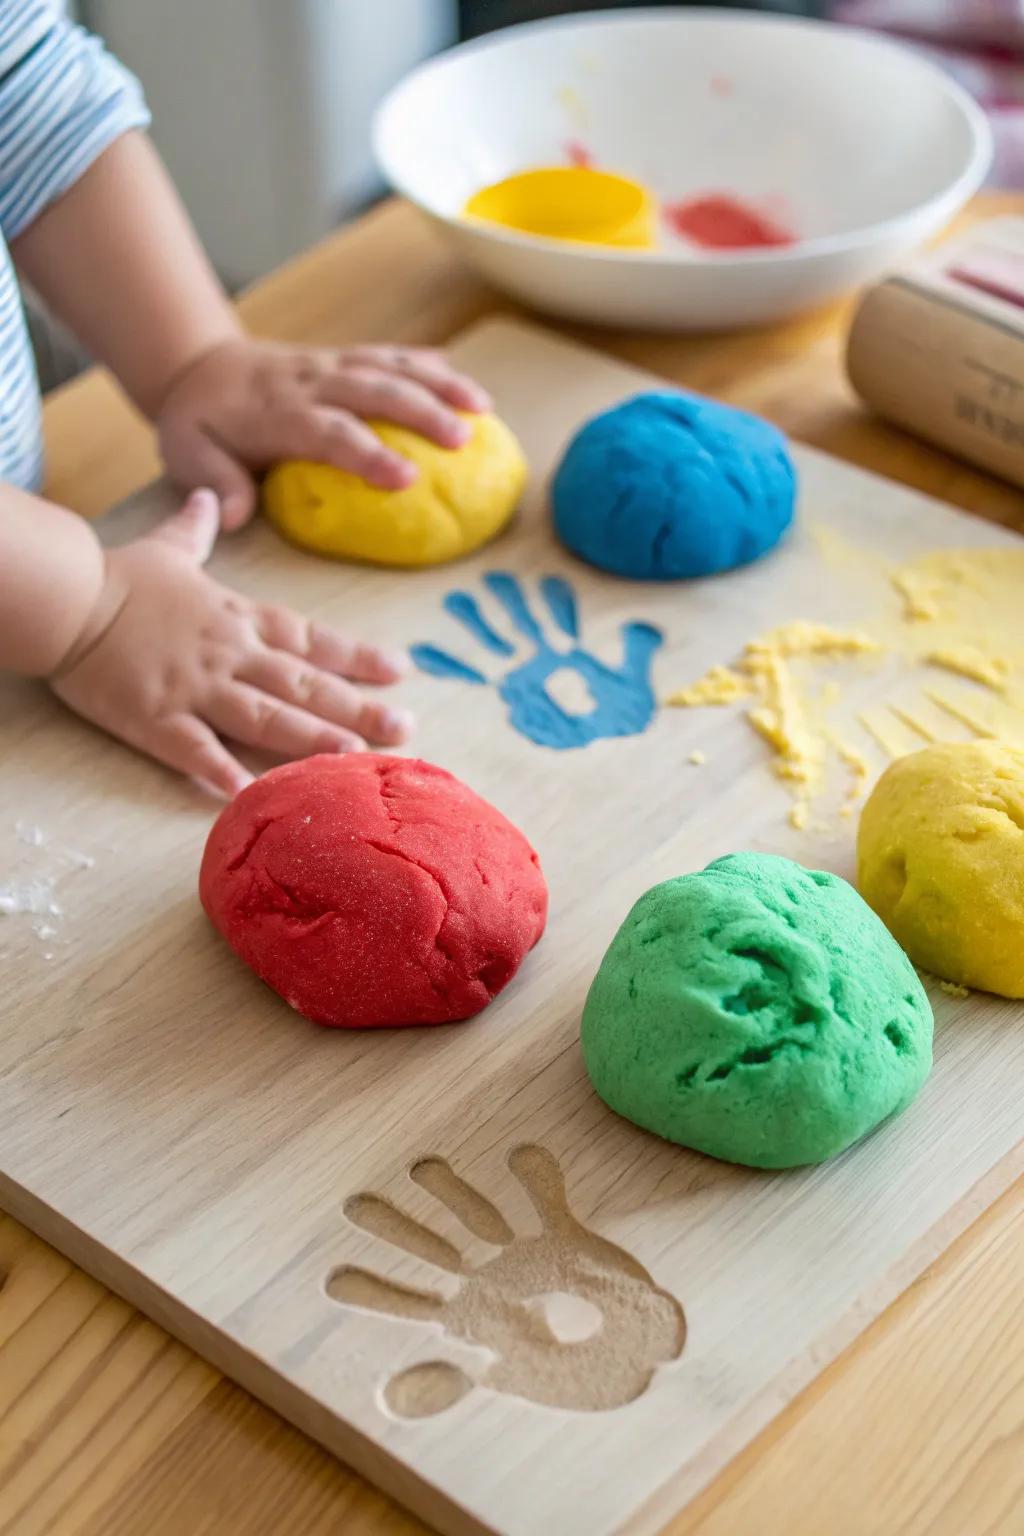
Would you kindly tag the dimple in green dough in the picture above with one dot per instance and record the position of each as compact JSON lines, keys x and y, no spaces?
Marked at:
{"x":759,"y":1012}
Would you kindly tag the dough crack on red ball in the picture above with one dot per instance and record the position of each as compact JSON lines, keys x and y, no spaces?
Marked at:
{"x":372,"y":890}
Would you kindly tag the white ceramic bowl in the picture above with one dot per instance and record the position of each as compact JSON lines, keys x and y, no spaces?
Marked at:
{"x":862,"y":147}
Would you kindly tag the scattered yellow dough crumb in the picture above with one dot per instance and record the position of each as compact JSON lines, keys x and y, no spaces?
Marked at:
{"x":697,"y":757}
{"x":719,"y":686}
{"x":781,"y":715}
{"x":860,"y":770}
{"x":920,"y":592}
{"x":782,"y":721}
{"x":989,"y":718}
{"x":890,"y":733}
{"x":913,"y":723}
{"x":962,"y":611}
{"x":954,"y":989}
{"x":968,"y":661}
{"x":966,"y":711}
{"x":965,"y":605}
{"x":802,"y":638}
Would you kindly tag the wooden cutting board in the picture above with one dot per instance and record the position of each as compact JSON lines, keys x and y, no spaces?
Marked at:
{"x":173,"y":1127}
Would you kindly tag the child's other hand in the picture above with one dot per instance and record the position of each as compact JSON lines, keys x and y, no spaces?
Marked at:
{"x":247,"y":404}
{"x":170,"y":661}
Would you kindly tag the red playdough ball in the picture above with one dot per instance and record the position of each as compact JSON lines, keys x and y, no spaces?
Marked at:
{"x":373,"y":890}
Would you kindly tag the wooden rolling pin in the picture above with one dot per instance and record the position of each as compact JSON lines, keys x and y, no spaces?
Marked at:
{"x":938,"y":347}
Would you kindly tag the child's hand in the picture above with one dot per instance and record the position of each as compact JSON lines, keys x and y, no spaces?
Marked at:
{"x":246,"y":404}
{"x":170,"y":660}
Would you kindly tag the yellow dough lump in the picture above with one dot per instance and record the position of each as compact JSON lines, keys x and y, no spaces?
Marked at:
{"x":462,"y":498}
{"x":940,"y":857}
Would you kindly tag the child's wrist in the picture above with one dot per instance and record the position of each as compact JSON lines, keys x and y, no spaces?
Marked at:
{"x":153,"y":399}
{"x":53,"y":578}
{"x":83,"y":599}
{"x":96,"y":616}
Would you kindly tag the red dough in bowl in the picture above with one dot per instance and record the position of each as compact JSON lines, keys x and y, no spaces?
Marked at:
{"x":372,"y":890}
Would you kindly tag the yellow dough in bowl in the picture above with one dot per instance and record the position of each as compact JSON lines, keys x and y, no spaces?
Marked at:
{"x":462,"y":498}
{"x":940,"y":857}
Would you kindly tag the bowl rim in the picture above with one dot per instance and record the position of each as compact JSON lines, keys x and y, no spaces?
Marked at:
{"x":932,"y":211}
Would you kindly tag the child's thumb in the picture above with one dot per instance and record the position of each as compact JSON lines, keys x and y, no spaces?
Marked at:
{"x":193,"y":528}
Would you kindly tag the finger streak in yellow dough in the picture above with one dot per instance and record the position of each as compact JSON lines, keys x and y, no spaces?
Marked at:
{"x":462,"y":498}
{"x":940,"y":857}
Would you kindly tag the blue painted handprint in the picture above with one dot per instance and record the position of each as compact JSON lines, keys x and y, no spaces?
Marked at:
{"x":622,"y":697}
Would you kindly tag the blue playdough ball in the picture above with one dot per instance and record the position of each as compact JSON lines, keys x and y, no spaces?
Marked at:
{"x":669,"y":485}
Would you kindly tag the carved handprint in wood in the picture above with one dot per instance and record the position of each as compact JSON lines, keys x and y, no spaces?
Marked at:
{"x":568,"y":1319}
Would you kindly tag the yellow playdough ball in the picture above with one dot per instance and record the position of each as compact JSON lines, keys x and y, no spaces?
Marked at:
{"x":462,"y":498}
{"x":940,"y":857}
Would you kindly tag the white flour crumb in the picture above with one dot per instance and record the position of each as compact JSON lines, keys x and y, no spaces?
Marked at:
{"x":34,"y":896}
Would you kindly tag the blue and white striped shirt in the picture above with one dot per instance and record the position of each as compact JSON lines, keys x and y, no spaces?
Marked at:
{"x":63,"y":101}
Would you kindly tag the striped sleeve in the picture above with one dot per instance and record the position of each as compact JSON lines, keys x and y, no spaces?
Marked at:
{"x":63,"y":101}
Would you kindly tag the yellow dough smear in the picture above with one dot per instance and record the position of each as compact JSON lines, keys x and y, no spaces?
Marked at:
{"x":462,"y":498}
{"x":968,"y":661}
{"x":784,"y":713}
{"x":919,"y":592}
{"x":914,"y":723}
{"x":953,"y":989}
{"x":961,"y":612}
{"x":983,"y":716}
{"x":887,"y":730}
{"x":860,"y":772}
{"x":719,"y":686}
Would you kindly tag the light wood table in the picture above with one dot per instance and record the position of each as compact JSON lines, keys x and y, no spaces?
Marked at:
{"x":110,"y":1428}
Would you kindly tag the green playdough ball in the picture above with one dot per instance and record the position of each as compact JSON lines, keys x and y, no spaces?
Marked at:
{"x":757,"y":1011}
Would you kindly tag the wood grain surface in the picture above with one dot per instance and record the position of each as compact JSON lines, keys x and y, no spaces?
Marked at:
{"x":109,"y":1427}
{"x":243,"y":1178}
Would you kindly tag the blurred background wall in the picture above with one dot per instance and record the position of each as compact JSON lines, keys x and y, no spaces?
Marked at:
{"x":262,"y":108}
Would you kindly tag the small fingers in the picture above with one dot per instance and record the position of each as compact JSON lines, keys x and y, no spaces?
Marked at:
{"x":397,"y":397}
{"x":193,"y":458}
{"x":285,"y":630}
{"x":430,"y":368}
{"x":434,"y":372}
{"x":187,"y":744}
{"x":259,"y":720}
{"x":193,"y":528}
{"x":328,"y":697}
{"x":339,"y":437}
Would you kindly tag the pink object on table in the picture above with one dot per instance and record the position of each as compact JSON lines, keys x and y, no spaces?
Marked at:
{"x":980,"y":43}
{"x":998,"y":272}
